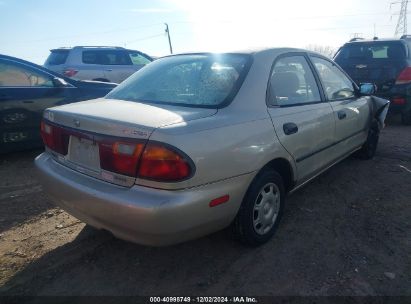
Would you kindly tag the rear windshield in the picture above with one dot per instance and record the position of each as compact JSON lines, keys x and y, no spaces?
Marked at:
{"x":57,"y":57}
{"x":199,"y":80}
{"x":372,"y":51}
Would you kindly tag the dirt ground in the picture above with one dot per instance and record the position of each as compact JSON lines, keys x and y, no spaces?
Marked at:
{"x":346,"y":233}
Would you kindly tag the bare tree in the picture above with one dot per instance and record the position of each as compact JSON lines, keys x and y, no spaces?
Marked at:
{"x":325,"y":50}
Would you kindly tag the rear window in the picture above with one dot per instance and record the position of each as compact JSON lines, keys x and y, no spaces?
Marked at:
{"x":372,"y":51}
{"x":106,"y":57}
{"x":199,"y":80}
{"x":57,"y":57}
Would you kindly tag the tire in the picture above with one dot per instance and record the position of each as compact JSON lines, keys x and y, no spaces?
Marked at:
{"x":259,"y":216}
{"x":369,"y":148}
{"x":406,"y":118}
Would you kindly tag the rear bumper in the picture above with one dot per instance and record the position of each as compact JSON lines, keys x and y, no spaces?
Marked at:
{"x":401,"y":91}
{"x":140,"y":214}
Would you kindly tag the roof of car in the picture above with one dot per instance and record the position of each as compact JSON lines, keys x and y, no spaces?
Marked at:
{"x":360,"y":40}
{"x":88,"y":47}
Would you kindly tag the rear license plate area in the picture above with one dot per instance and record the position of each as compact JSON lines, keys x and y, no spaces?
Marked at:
{"x":84,"y":152}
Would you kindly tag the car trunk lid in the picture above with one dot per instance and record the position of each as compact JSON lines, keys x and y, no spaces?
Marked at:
{"x":89,"y":136}
{"x":383,"y":74}
{"x":122,"y":118}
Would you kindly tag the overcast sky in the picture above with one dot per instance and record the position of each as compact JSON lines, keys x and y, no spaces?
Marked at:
{"x":30,"y":28}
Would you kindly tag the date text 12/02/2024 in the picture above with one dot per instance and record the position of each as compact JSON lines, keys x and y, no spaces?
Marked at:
{"x":203,"y":300}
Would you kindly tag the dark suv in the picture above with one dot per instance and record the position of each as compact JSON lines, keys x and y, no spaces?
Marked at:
{"x":385,"y":62}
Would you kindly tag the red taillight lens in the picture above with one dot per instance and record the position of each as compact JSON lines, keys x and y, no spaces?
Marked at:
{"x":46,"y":134}
{"x":54,"y":137}
{"x":398,"y":100}
{"x":404,"y":77}
{"x":162,"y":163}
{"x":120,"y":157}
{"x":130,"y":157}
{"x":70,"y":72}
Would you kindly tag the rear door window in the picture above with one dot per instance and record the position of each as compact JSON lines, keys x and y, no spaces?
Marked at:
{"x":16,"y":75}
{"x":106,"y":57}
{"x":57,"y":57}
{"x":292,"y":82}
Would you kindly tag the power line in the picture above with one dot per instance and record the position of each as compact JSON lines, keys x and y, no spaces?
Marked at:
{"x":95,"y":33}
{"x":145,"y":38}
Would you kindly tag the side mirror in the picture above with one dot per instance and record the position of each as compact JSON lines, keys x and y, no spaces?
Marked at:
{"x":60,"y":82}
{"x":368,"y":88}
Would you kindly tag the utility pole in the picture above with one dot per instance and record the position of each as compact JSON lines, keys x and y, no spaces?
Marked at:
{"x":169,"y":39}
{"x":401,"y":28}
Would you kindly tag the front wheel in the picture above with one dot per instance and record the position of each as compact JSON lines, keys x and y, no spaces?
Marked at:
{"x":261,"y":209}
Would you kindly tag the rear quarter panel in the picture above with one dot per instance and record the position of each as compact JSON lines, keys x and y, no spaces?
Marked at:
{"x":221,"y":148}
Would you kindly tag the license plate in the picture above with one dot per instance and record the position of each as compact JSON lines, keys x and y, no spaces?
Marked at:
{"x":84,"y":152}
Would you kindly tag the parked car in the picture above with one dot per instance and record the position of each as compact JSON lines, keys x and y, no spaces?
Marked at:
{"x":385,"y":62}
{"x":100,"y":63}
{"x":193,"y":143}
{"x":26,"y":89}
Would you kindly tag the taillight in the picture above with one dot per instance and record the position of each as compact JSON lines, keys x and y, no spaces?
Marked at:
{"x":47,"y":134}
{"x":398,"y":100}
{"x":125,"y":156}
{"x":70,"y":72}
{"x":120,"y":156}
{"x":404,"y":77}
{"x":163,"y":163}
{"x":54,"y":137}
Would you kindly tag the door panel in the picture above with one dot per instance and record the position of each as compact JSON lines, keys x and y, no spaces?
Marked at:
{"x":21,"y":113}
{"x":351,"y":112}
{"x":24,"y":94}
{"x":351,"y":118}
{"x":304,"y":124}
{"x":308,"y":146}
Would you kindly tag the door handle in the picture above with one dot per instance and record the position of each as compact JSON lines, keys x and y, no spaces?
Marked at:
{"x":341,"y":115}
{"x":290,"y":128}
{"x":109,"y":70}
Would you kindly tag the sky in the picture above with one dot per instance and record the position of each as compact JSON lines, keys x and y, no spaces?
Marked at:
{"x":30,"y":28}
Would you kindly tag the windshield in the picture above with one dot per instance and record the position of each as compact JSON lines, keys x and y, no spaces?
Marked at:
{"x":372,"y":51}
{"x":200,"y":80}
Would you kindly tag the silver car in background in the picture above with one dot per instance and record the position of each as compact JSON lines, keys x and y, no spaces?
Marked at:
{"x":194,"y":143}
{"x":100,"y":63}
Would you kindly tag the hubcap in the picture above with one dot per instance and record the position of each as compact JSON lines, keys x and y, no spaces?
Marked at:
{"x":266,"y":208}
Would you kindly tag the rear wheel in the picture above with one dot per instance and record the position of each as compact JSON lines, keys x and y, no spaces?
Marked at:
{"x":261,"y":209}
{"x":369,"y":148}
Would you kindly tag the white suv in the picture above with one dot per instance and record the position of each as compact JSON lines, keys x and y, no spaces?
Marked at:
{"x":101,"y":63}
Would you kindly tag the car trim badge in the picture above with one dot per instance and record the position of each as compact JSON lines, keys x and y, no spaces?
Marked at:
{"x":361,"y":66}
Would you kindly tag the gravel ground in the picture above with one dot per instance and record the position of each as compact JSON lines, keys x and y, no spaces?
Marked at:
{"x":346,"y":233}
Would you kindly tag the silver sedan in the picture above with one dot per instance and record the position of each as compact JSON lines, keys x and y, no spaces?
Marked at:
{"x":194,"y":143}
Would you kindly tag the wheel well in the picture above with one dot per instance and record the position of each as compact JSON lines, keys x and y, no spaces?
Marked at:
{"x":283,"y":167}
